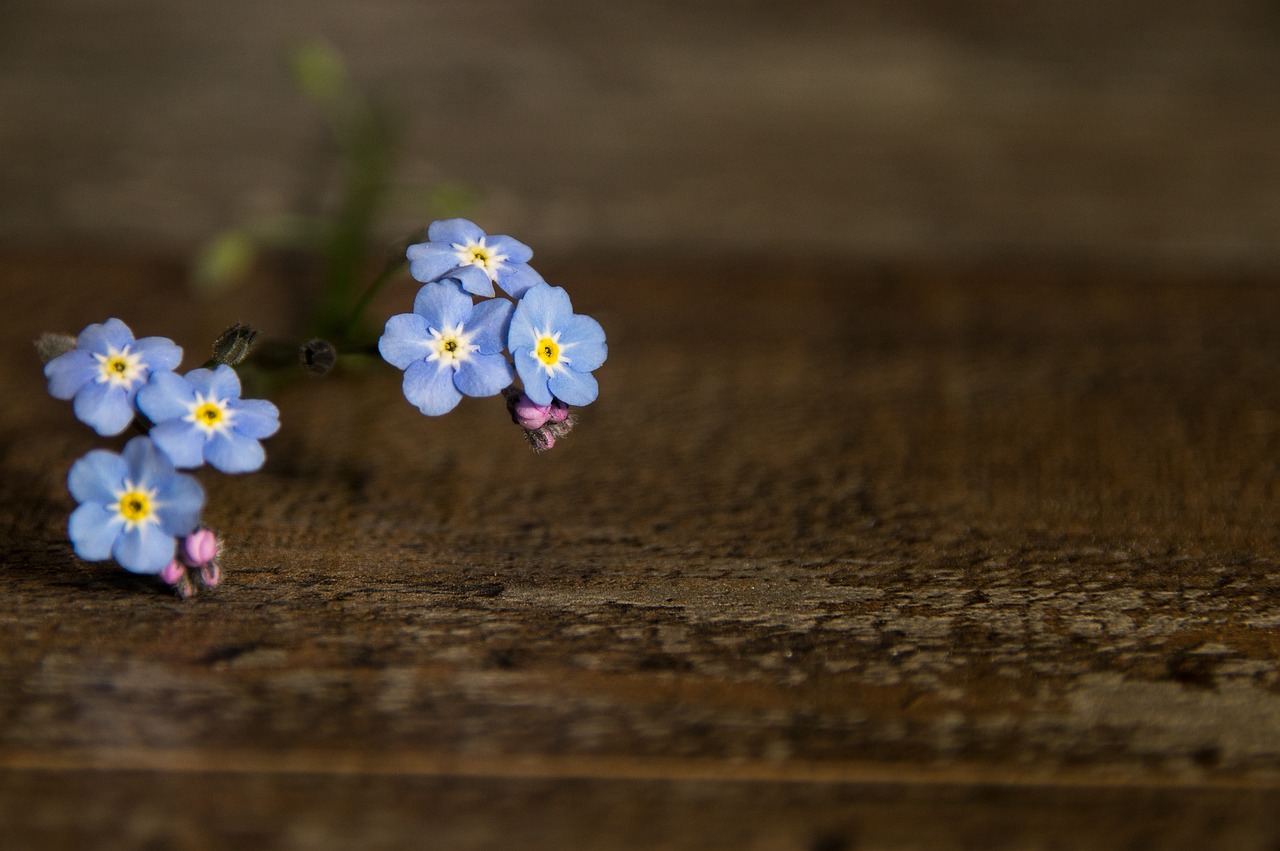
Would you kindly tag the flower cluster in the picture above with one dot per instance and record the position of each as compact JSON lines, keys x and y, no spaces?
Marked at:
{"x":452,"y":346}
{"x":462,"y":339}
{"x":135,"y":507}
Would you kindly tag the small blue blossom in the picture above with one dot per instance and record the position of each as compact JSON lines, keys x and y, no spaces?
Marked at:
{"x":200,"y":417}
{"x":555,"y":349}
{"x":133,"y":507}
{"x":448,"y":347}
{"x":104,"y":372}
{"x":458,"y":249}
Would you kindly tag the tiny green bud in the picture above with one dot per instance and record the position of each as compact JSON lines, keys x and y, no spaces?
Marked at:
{"x":234,"y":344}
{"x":318,"y":356}
{"x":50,"y":345}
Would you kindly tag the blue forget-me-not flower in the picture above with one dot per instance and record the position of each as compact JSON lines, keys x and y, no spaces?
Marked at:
{"x":448,"y":347}
{"x":133,"y":506}
{"x":555,"y":349}
{"x":104,"y":372}
{"x":459,"y":249}
{"x":200,"y":417}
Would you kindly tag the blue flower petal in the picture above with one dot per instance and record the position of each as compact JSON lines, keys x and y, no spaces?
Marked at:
{"x":405,"y":340}
{"x":430,"y":387}
{"x":147,"y":466}
{"x":450,"y":231}
{"x":256,"y":418}
{"x":514,"y":250}
{"x":431,"y":262}
{"x":234,"y":453}
{"x":442,"y":304}
{"x":166,"y":395}
{"x":105,"y":407}
{"x":531,"y":375}
{"x":490,"y":321}
{"x":144,"y":549}
{"x":573,"y":387}
{"x":98,"y":339}
{"x":93,"y":529}
{"x":516,"y":279}
{"x":473,"y":279}
{"x":181,"y":442}
{"x":70,"y":371}
{"x":588,"y":349}
{"x":158,"y":352}
{"x":97,"y":477}
{"x":483,"y":375}
{"x":179,"y":500}
{"x":540,"y":309}
{"x":221,"y":382}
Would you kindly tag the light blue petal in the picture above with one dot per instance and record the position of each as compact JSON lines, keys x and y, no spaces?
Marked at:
{"x":96,"y":477}
{"x":68,"y":372}
{"x":473,"y":279}
{"x":542,"y":308}
{"x":430,"y":387}
{"x":105,"y":407}
{"x":588,"y":349}
{"x":450,"y":231}
{"x":181,"y":442}
{"x":490,"y":320}
{"x":158,"y":352}
{"x":93,"y":530}
{"x":98,"y":339}
{"x":514,"y":250}
{"x":431,"y":262}
{"x":147,"y":466}
{"x":516,"y":279}
{"x":531,"y":376}
{"x":483,"y":375}
{"x":573,"y":387}
{"x":234,"y":453}
{"x":404,"y":340}
{"x":442,"y":304}
{"x":145,"y":549}
{"x":221,"y":382}
{"x":166,"y":395}
{"x":256,"y":418}
{"x":179,"y":500}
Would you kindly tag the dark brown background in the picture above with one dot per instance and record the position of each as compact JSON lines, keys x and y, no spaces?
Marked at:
{"x":929,"y":501}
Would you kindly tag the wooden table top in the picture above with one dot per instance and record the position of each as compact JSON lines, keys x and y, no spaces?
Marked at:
{"x":864,"y":557}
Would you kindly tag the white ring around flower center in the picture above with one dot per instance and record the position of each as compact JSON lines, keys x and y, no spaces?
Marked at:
{"x":451,"y":346}
{"x":210,"y":414}
{"x":120,"y":367}
{"x":478,"y":254}
{"x":136,"y":506}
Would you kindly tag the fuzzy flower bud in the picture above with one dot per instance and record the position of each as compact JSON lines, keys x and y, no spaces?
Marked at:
{"x":318,"y":356}
{"x":528,"y":414}
{"x":50,"y":345}
{"x":210,"y":574}
{"x":199,"y":548}
{"x":173,"y":573}
{"x":234,"y":344}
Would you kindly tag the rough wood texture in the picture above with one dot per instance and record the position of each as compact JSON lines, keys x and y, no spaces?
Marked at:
{"x":842,"y":559}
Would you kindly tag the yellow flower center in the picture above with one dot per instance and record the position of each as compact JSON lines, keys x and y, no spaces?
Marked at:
{"x":117,"y":365}
{"x":548,"y":351}
{"x":209,"y":414}
{"x":450,"y":345}
{"x":134,"y":507}
{"x":479,"y":256}
{"x":120,"y":367}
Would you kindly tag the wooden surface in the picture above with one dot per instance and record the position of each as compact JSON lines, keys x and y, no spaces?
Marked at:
{"x":843,"y":558}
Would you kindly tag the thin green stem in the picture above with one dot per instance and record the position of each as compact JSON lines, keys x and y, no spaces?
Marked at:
{"x":390,"y":271}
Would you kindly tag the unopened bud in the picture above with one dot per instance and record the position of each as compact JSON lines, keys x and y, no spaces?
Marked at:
{"x":50,"y":345}
{"x":199,"y":548}
{"x":210,"y":574}
{"x":173,"y":572}
{"x":184,"y":587}
{"x":528,"y":414}
{"x":234,"y":344}
{"x":318,"y":356}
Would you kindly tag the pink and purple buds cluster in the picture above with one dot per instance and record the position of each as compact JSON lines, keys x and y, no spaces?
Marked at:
{"x":452,"y":346}
{"x":135,"y":507}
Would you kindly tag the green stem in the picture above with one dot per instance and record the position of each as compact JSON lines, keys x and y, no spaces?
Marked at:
{"x":392,"y":269}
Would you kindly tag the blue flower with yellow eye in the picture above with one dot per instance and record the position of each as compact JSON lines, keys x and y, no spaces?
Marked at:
{"x":448,"y":347}
{"x":459,"y":249}
{"x":200,"y":417}
{"x":104,"y":372}
{"x":133,"y":507}
{"x":555,"y":350}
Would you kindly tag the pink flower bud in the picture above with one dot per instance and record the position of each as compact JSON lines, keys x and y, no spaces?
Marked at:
{"x":529,"y":415}
{"x":210,"y":575}
{"x":199,"y":548}
{"x":557,"y":411}
{"x":173,"y":572}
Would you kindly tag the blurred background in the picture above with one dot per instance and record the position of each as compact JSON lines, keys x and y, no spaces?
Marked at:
{"x":1145,"y":131}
